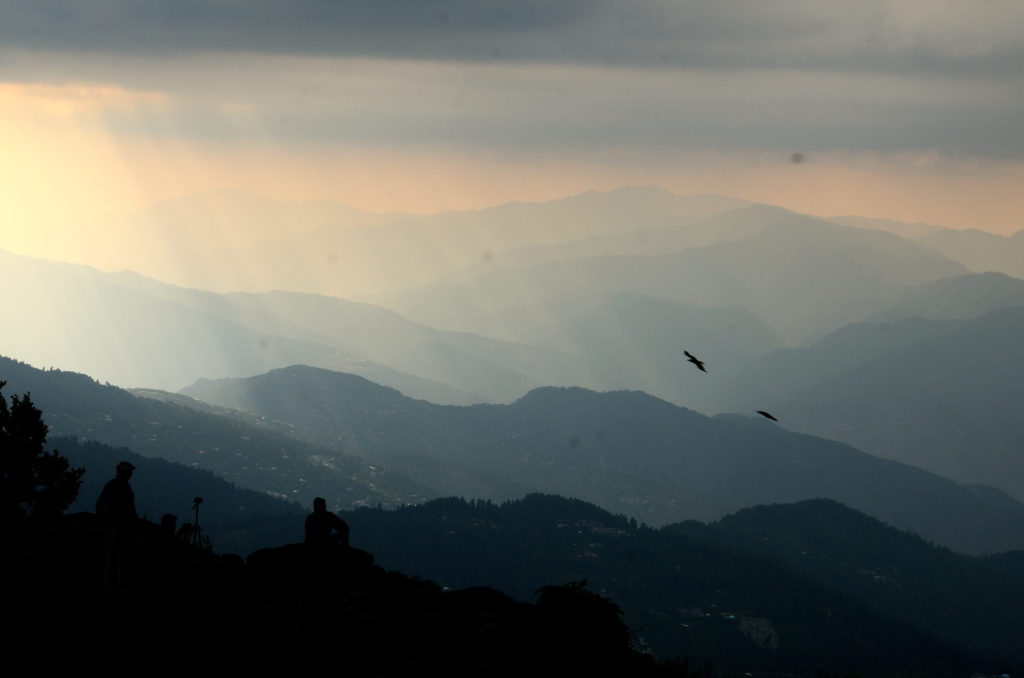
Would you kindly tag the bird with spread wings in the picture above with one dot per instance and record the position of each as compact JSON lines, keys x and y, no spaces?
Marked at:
{"x":693,"y":359}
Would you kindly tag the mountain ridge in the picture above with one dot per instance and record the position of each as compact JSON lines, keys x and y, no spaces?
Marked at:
{"x":937,"y":393}
{"x":628,"y":451}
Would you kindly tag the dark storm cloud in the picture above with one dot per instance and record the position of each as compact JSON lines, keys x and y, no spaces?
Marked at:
{"x":943,"y":75}
{"x":873,"y":36}
{"x":376,"y":28}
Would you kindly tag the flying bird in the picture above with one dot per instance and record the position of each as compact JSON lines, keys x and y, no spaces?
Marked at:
{"x":693,"y":359}
{"x":767,"y":415}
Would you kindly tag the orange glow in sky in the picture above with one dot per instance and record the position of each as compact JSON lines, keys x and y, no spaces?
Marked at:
{"x":68,"y":168}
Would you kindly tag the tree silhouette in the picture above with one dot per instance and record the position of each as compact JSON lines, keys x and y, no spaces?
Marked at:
{"x":34,"y":483}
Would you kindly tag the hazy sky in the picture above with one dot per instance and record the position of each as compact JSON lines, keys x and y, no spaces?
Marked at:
{"x":910,"y":110}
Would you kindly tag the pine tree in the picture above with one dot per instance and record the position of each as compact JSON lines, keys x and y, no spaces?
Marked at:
{"x":34,"y":483}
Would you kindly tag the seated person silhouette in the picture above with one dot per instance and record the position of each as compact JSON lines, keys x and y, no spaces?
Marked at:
{"x":324,"y":530}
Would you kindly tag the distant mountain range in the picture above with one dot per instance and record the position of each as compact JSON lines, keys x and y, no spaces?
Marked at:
{"x":306,"y":432}
{"x":977,"y":250}
{"x":980,"y":251}
{"x":804,"y":276}
{"x":967,"y":296}
{"x":943,"y":395}
{"x":655,"y":273}
{"x":138,"y":332}
{"x":226,"y":241}
{"x":232,"y":240}
{"x":626,"y":451}
{"x":853,"y":329}
{"x":200,"y":436}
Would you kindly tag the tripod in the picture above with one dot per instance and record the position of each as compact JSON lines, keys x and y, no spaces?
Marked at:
{"x":192,"y":534}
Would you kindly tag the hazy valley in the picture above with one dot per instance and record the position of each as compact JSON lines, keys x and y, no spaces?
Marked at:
{"x":538,"y":348}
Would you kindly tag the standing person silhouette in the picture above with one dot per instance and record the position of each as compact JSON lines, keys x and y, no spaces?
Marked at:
{"x":324,"y":530}
{"x":116,"y":508}
{"x":116,"y":504}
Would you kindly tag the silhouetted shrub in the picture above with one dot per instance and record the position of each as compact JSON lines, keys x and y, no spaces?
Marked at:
{"x":583,"y":617}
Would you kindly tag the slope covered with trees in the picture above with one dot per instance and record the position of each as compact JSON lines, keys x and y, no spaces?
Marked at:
{"x":771,"y":590}
{"x":239,"y":450}
{"x":691,"y":591}
{"x":625,"y":451}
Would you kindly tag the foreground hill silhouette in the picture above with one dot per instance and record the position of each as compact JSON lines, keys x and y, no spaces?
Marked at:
{"x":287,"y":609}
{"x":185,"y":612}
{"x":236,"y":520}
{"x":683,"y":592}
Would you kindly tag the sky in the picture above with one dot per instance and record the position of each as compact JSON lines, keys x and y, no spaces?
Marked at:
{"x":909,"y":110}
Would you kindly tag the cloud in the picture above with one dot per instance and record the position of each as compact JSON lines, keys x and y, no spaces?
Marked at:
{"x":652,"y":76}
{"x":525,"y":108}
{"x":939,"y":37}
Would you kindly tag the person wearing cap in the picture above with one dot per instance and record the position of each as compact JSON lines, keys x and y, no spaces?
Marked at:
{"x":116,"y":504}
{"x":116,"y":508}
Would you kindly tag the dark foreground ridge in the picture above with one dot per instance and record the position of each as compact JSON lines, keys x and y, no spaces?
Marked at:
{"x":184,"y":611}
